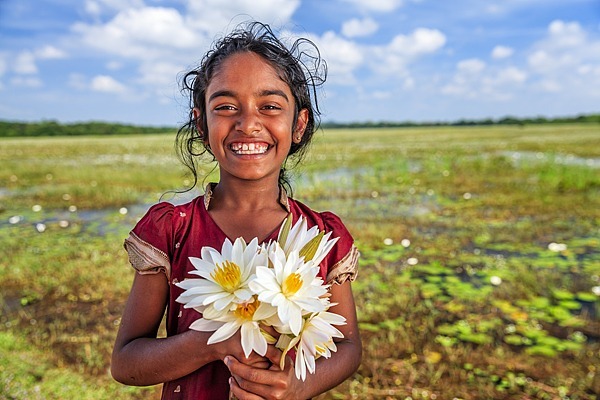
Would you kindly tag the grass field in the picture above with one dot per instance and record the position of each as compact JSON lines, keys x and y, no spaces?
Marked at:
{"x":479,"y":276}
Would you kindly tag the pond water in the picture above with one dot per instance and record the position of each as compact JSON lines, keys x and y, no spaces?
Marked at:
{"x":565,"y":159}
{"x":96,"y":221}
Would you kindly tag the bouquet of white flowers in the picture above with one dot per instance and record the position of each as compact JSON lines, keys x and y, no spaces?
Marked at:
{"x":275,"y":284}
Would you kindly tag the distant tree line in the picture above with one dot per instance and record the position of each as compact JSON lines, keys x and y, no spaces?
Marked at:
{"x":54,"y":128}
{"x":591,"y":118}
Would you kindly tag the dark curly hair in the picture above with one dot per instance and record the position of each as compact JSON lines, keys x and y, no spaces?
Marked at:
{"x":300,"y":66}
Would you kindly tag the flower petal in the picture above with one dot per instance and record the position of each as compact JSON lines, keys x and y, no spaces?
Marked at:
{"x":205,"y":325}
{"x":252,"y":339}
{"x":224,"y":332}
{"x":243,"y":294}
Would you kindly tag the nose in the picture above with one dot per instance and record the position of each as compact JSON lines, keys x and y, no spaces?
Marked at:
{"x":248,"y":121}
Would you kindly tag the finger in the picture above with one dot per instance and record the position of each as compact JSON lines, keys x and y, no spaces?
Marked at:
{"x":276,"y":387}
{"x":274,"y":356}
{"x":262,"y":364}
{"x":236,"y":392}
{"x":244,"y":372}
{"x":254,"y":360}
{"x":270,"y":330}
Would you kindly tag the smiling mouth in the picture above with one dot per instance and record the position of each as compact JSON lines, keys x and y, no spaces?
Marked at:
{"x":249,"y":148}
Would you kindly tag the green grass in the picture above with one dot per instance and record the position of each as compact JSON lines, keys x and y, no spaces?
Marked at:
{"x":476,"y":305}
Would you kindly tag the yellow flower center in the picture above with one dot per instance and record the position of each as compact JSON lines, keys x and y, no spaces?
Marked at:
{"x":320,"y":350}
{"x":228,"y":275}
{"x":246,"y":310}
{"x":291,"y":284}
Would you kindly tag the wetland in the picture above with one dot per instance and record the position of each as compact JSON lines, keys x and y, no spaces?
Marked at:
{"x":479,"y":275}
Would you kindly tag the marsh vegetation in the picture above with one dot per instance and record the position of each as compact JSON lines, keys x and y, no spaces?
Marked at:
{"x":479,"y":276}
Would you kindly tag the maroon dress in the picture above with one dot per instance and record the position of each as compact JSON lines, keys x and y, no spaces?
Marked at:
{"x":164,"y":239}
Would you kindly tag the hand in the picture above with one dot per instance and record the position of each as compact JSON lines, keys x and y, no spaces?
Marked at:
{"x":233,"y":347}
{"x":251,"y":383}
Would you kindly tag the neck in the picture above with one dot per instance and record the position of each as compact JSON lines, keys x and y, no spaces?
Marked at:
{"x":243,"y":195}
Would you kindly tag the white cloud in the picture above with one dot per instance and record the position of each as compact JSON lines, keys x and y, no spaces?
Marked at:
{"x":98,"y":7}
{"x":359,"y":27}
{"x":342,"y":56}
{"x":213,"y":16}
{"x":474,"y":80}
{"x":550,"y":86}
{"x":566,"y":62}
{"x":162,"y":74}
{"x":50,"y":52}
{"x":3,"y":65}
{"x":563,"y":60}
{"x":500,"y":52}
{"x":382,"y":95}
{"x":147,"y":33}
{"x":393,"y":58}
{"x":114,"y":65}
{"x":471,"y":66}
{"x":93,"y":8}
{"x":30,"y":82}
{"x":566,"y":34}
{"x":510,"y":75}
{"x":421,"y":41}
{"x":77,"y":81}
{"x":150,"y":35}
{"x":107,"y":84}
{"x":376,"y":5}
{"x":25,"y":63}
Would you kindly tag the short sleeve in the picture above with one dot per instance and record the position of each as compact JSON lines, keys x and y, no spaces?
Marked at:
{"x":342,"y":261}
{"x":149,"y":243}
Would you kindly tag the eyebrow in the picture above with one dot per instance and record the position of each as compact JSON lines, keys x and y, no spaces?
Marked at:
{"x":263,"y":93}
{"x":274,"y":92}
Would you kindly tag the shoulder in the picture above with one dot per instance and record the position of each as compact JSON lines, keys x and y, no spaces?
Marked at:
{"x":341,"y":263}
{"x":151,"y":242}
{"x":159,"y":212}
{"x":163,"y":220}
{"x":163,"y":213}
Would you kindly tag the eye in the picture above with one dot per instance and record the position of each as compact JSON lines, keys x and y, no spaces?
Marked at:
{"x":224,"y":108}
{"x":271,"y":107}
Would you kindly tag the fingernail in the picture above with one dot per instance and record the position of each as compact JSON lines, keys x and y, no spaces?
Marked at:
{"x":226,"y":361}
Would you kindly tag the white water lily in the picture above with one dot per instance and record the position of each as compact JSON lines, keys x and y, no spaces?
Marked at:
{"x":311,"y":243}
{"x":315,"y":340}
{"x":245,"y":317}
{"x":292,"y":285}
{"x":225,"y":274}
{"x":278,"y":284}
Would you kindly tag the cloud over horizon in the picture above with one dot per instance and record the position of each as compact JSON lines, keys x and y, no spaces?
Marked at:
{"x":388,"y":59}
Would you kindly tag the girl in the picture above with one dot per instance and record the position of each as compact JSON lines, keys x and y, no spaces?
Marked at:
{"x":251,"y":108}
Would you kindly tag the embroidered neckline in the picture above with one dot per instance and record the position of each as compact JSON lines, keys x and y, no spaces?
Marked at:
{"x":283,"y":197}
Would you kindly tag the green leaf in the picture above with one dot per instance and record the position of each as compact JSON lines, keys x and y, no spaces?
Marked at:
{"x":310,"y":249}
{"x":285,"y":230}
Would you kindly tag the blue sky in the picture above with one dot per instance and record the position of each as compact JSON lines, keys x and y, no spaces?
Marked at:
{"x":392,"y":60}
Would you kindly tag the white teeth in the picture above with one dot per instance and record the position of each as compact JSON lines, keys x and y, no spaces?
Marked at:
{"x":249,"y":148}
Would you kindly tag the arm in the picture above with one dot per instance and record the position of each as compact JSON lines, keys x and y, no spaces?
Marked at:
{"x":253,"y":383}
{"x":140,"y":358}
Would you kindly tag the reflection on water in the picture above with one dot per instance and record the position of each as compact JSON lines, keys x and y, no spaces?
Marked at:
{"x":98,"y":221}
{"x":564,"y":159}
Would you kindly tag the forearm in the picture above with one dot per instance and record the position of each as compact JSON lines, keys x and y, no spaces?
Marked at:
{"x":332,"y":371}
{"x":150,"y":361}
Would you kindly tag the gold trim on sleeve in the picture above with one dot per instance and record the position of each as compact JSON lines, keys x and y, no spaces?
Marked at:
{"x":345,"y":269}
{"x":145,"y":258}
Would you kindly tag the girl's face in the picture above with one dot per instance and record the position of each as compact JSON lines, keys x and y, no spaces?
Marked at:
{"x":250,"y":118}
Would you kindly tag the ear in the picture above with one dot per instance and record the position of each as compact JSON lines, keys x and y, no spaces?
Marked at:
{"x":198,"y":118}
{"x":300,"y":127}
